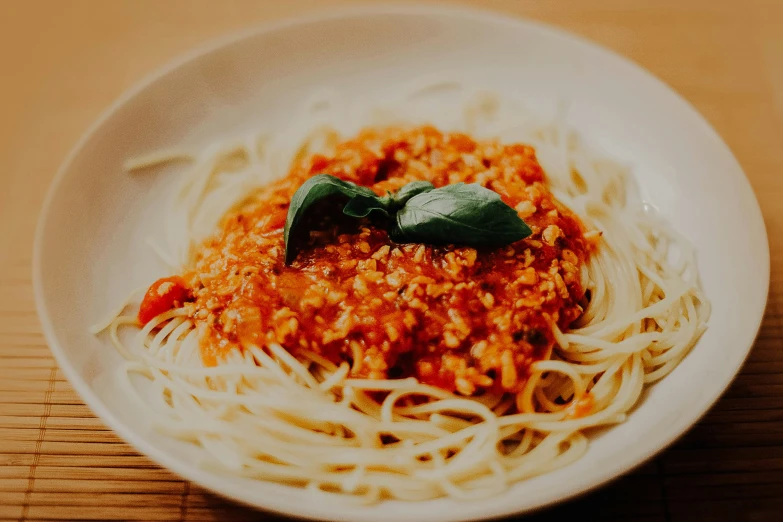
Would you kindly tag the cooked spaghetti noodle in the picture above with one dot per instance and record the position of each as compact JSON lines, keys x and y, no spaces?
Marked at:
{"x":628,"y":309}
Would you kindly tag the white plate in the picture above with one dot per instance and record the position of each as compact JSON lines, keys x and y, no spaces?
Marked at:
{"x":90,"y":250}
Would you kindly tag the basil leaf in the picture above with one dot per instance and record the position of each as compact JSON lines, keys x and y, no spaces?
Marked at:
{"x":361,"y":206}
{"x":411,"y":189}
{"x":462,"y":214}
{"x":312,"y":191}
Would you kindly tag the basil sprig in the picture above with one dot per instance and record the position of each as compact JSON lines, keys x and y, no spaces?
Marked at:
{"x":418,"y":213}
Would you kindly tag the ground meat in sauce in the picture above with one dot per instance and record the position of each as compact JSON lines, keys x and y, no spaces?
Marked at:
{"x":462,"y":319}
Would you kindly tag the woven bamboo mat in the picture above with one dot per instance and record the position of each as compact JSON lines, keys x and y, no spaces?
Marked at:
{"x":58,"y":462}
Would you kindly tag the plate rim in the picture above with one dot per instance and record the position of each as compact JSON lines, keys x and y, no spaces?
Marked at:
{"x":212,"y":481}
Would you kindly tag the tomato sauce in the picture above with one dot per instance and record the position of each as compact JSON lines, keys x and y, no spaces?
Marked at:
{"x":460,"y":318}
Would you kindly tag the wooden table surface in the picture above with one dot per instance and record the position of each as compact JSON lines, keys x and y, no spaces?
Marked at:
{"x":64,"y":61}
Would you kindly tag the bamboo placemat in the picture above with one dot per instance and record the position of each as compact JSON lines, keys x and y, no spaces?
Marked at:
{"x":65,"y":61}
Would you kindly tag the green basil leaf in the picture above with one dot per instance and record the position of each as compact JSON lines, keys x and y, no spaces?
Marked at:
{"x":362,"y":206}
{"x":462,"y":214}
{"x":411,"y":189}
{"x":312,"y":191}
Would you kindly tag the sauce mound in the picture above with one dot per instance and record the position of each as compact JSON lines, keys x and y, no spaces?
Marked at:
{"x":463,"y":319}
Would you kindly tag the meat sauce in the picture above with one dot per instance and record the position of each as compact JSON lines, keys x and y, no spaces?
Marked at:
{"x":460,"y":318}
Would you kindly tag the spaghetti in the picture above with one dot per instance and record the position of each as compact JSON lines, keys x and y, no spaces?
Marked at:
{"x":316,"y":419}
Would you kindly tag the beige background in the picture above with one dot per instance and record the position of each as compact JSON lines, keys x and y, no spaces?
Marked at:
{"x":64,"y":61}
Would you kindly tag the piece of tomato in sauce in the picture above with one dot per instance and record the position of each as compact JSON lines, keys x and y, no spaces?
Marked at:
{"x":581,"y":407}
{"x":163,"y":295}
